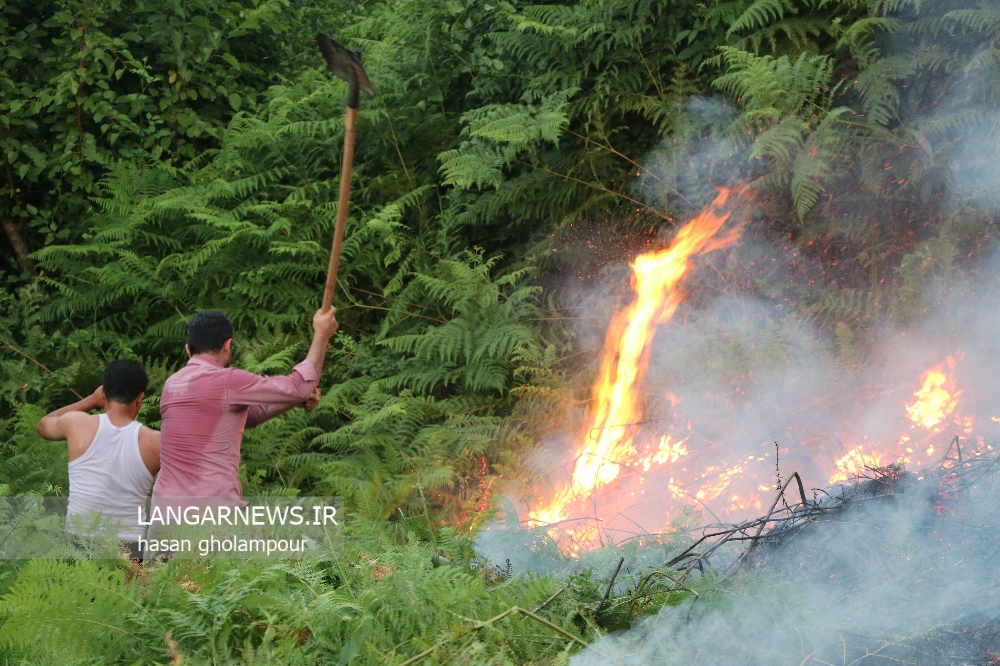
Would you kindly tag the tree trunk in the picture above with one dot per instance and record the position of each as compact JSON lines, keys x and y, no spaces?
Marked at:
{"x":13,"y":231}
{"x":11,"y":226}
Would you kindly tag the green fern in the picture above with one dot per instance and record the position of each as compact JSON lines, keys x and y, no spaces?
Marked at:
{"x":59,"y":610}
{"x":761,"y":13}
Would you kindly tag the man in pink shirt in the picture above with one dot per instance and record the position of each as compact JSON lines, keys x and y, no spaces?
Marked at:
{"x":206,"y":406}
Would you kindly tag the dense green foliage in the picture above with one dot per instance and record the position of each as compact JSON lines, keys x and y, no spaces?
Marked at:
{"x":163,"y":159}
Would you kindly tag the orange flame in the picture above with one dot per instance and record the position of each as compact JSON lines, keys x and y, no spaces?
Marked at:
{"x":668,"y":452}
{"x":937,"y":398}
{"x":854,"y":463}
{"x":617,"y":455}
{"x":608,"y":443}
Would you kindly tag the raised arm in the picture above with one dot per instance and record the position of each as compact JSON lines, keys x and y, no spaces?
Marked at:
{"x":54,"y":427}
{"x":324,"y":327}
{"x":268,"y":397}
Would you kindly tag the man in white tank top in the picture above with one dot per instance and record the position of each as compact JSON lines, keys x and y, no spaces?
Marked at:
{"x":112,"y":457}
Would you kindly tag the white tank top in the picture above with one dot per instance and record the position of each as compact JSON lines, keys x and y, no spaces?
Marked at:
{"x":110,"y":478}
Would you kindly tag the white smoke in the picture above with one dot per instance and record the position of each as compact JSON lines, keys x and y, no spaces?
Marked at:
{"x":752,"y":377}
{"x":887,"y":581}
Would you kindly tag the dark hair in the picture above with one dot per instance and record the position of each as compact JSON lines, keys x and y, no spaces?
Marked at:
{"x":208,"y":331}
{"x":124,"y":381}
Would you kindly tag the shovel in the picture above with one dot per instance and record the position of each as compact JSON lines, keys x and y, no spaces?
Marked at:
{"x":346,"y":64}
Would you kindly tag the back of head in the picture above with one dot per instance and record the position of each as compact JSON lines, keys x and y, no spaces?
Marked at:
{"x":208,"y":331}
{"x":124,"y":381}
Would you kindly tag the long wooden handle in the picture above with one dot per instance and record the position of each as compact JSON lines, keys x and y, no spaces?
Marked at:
{"x":350,"y":122}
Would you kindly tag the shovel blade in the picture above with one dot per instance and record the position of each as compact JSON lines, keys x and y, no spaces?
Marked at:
{"x":344,"y":63}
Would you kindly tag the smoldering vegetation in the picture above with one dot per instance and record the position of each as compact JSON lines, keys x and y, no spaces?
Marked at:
{"x":750,"y":385}
{"x":866,"y":258}
{"x":901,"y":569}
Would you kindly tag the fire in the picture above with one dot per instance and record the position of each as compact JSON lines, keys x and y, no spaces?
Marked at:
{"x":668,"y":452}
{"x":854,"y":463}
{"x":710,"y":491}
{"x":609,"y":441}
{"x":627,"y":470}
{"x":937,"y":398}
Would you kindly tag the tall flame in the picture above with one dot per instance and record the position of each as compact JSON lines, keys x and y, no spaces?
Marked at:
{"x":608,"y":442}
{"x":937,"y":398}
{"x":625,"y":471}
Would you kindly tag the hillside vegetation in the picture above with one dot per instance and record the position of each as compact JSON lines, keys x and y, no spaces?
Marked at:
{"x":164,"y":158}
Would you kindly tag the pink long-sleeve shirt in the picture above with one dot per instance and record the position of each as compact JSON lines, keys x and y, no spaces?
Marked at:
{"x":205,"y":408}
